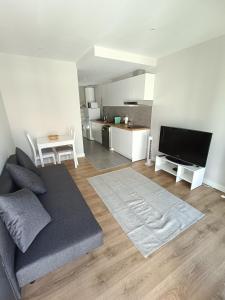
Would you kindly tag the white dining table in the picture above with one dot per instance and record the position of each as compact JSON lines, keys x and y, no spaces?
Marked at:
{"x":62,"y":140}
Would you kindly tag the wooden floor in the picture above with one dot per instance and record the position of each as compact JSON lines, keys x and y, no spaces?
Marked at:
{"x":192,"y":266}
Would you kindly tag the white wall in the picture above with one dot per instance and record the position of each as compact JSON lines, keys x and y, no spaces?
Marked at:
{"x":6,"y":144}
{"x":190,"y":93}
{"x":40,"y":96}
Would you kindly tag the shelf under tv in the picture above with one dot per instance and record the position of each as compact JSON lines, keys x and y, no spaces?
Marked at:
{"x":178,"y":161}
{"x":190,"y":173}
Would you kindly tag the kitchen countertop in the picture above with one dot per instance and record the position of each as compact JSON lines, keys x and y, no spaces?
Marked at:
{"x":121,"y":126}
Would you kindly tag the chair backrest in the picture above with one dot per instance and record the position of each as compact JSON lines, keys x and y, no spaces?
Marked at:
{"x":74,"y":136}
{"x":70,"y":131}
{"x":31,"y":142}
{"x":73,"y":133}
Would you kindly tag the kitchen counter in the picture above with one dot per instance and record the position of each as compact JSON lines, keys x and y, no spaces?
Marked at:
{"x":121,"y":126}
{"x":129,"y":142}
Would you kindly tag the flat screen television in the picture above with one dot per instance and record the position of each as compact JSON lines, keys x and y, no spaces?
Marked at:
{"x":185,"y":146}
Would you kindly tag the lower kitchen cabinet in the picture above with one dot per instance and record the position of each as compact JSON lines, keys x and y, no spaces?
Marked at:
{"x":130,"y":143}
{"x":121,"y":141}
{"x":96,"y":129}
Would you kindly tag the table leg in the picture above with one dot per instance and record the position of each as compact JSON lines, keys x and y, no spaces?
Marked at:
{"x":41,"y":157}
{"x":75,"y":157}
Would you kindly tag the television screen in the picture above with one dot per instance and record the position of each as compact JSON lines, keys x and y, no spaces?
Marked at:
{"x":185,"y":145}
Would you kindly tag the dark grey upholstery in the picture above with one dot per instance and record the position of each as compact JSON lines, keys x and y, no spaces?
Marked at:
{"x":25,"y":178}
{"x":72,"y":232}
{"x":7,"y":257}
{"x":7,"y":246}
{"x":6,"y":292}
{"x":24,"y":160}
{"x":24,"y":216}
{"x":7,"y":185}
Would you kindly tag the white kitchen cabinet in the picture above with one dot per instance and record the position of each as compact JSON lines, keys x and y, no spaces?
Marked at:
{"x":140,"y":144}
{"x":112,"y":94}
{"x":121,"y":141}
{"x":140,"y":87}
{"x":130,"y":143}
{"x":143,"y":87}
{"x":100,"y":94}
{"x":96,"y":129}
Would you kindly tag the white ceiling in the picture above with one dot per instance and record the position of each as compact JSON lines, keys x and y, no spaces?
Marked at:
{"x":93,"y":68}
{"x":100,"y":70}
{"x":65,"y":29}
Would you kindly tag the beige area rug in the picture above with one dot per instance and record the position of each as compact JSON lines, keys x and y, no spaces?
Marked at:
{"x":148,"y":213}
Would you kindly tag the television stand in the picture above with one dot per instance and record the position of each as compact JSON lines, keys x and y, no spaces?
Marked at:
{"x":178,"y":161}
{"x":192,"y":174}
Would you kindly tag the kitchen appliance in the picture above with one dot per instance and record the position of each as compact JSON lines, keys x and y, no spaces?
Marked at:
{"x":87,"y":115}
{"x":133,"y":126}
{"x":131,"y":103}
{"x":92,"y":104}
{"x":90,"y":97}
{"x":105,"y":118}
{"x":117,"y":120}
{"x":130,"y":124}
{"x":138,"y":102}
{"x":149,"y":152}
{"x":106,"y":136}
{"x":185,"y":146}
{"x":89,"y":94}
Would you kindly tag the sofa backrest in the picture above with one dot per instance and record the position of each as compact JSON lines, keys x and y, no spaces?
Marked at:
{"x":7,"y":245}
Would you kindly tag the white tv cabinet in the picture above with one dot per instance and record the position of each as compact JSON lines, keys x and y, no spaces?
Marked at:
{"x":192,"y":174}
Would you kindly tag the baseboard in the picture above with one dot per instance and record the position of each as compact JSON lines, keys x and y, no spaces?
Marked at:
{"x":214,"y":185}
{"x":80,"y":155}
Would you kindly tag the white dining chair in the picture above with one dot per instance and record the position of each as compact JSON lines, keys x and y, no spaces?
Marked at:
{"x":46,"y":153}
{"x":70,"y":131}
{"x":67,"y":151}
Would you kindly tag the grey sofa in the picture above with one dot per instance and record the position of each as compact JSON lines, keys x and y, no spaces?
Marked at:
{"x":72,"y":232}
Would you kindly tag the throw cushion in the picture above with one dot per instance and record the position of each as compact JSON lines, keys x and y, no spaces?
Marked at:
{"x":25,"y":178}
{"x":24,"y":216}
{"x":25,"y":161}
{"x":6,"y":183}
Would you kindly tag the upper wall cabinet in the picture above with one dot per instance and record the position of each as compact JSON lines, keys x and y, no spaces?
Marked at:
{"x":140,"y":87}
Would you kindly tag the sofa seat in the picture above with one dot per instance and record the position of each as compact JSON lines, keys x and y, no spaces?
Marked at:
{"x":72,"y":232}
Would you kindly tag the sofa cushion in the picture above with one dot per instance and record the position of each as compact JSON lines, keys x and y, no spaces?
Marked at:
{"x":72,"y":232}
{"x":7,"y":184}
{"x":25,"y":161}
{"x":7,"y":245}
{"x":11,"y":160}
{"x":25,"y":178}
{"x":24,"y":216}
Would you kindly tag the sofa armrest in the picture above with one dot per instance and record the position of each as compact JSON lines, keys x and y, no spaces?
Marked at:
{"x":6,"y":291}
